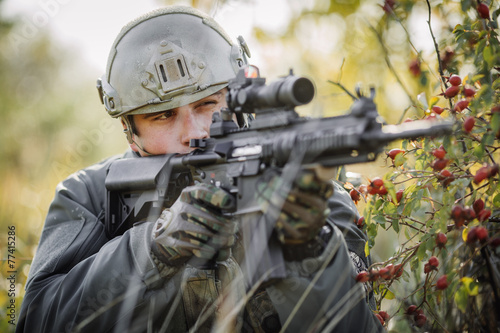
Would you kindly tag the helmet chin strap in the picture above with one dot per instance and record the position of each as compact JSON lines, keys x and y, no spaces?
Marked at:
{"x":130,"y":136}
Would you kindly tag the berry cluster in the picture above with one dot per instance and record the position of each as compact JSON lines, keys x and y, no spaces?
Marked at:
{"x":418,"y":315}
{"x":456,"y":88}
{"x":462,"y":215}
{"x":383,"y":317}
{"x":441,"y":161}
{"x":387,"y":272}
{"x":431,"y":265}
{"x":486,"y":171}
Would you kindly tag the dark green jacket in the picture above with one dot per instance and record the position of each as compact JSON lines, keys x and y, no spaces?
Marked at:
{"x":82,"y":281}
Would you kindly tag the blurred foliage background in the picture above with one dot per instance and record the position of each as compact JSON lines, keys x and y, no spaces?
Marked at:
{"x":52,"y":122}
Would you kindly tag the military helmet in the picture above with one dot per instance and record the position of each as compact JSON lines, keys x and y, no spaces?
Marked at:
{"x":168,"y":58}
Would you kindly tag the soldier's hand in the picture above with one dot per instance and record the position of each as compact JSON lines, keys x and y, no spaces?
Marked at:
{"x":195,"y":227}
{"x":299,"y":209}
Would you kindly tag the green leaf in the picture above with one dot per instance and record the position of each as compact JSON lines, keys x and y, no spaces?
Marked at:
{"x":380,"y":220}
{"x":409,"y":207}
{"x":496,"y":84}
{"x":378,"y":203}
{"x":430,"y":244}
{"x":458,"y":28}
{"x":448,"y":199}
{"x":389,"y":294}
{"x":471,"y":286}
{"x":407,"y":233}
{"x":421,"y":251}
{"x":395,"y":224}
{"x":495,"y":122}
{"x":496,"y":200}
{"x":399,"y":160}
{"x":461,"y":297}
{"x":390,"y":208}
{"x":390,"y":188}
{"x":414,"y":264}
{"x":479,"y":151}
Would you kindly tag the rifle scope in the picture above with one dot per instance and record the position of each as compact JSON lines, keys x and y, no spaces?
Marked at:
{"x":288,"y":91}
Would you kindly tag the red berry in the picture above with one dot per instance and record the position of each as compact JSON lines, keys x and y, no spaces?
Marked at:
{"x":414,"y":67}
{"x":377,"y":182}
{"x":469,"y":214}
{"x":388,"y":6}
{"x":461,"y":105}
{"x":472,"y":235}
{"x":456,"y":212}
{"x":439,"y":153}
{"x":394,"y":152}
{"x":493,"y":170}
{"x":482,"y":234}
{"x":478,"y":206}
{"x":484,"y":215}
{"x":457,"y":215}
{"x":379,"y":317}
{"x":484,"y":11}
{"x":399,"y":195}
{"x":469,"y":124}
{"x":433,"y":261}
{"x":481,"y":174}
{"x":441,"y":239}
{"x":420,"y":320}
{"x":437,"y":110}
{"x":361,"y":222}
{"x":382,"y":190}
{"x":370,"y":189}
{"x":427,"y":268}
{"x":469,"y":92}
{"x":452,"y":91}
{"x":355,"y":195}
{"x":447,"y":56}
{"x":385,"y":273}
{"x":411,"y":309}
{"x":440,"y":164}
{"x":455,"y":80}
{"x":363,"y":276}
{"x":384,"y":315}
{"x":398,"y":270}
{"x":444,"y":174}
{"x":442,"y":283}
{"x":446,"y":177}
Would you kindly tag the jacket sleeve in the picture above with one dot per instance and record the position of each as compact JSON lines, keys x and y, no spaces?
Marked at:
{"x":321,"y":294}
{"x":79,"y":278}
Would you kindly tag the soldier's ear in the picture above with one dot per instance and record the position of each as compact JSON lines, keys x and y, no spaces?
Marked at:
{"x":129,"y":134}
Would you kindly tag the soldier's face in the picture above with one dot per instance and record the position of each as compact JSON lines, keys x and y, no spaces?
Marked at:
{"x":170,"y":131}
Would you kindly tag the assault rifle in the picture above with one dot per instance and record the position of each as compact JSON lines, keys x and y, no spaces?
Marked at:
{"x":234,"y":158}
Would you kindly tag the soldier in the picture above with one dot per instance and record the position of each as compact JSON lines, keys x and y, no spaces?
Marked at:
{"x":167,"y":73}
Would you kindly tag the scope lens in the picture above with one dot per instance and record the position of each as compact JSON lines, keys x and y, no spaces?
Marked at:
{"x":303,"y":90}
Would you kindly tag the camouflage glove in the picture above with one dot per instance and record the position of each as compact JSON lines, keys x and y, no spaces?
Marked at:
{"x":299,"y":209}
{"x":194,"y":229}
